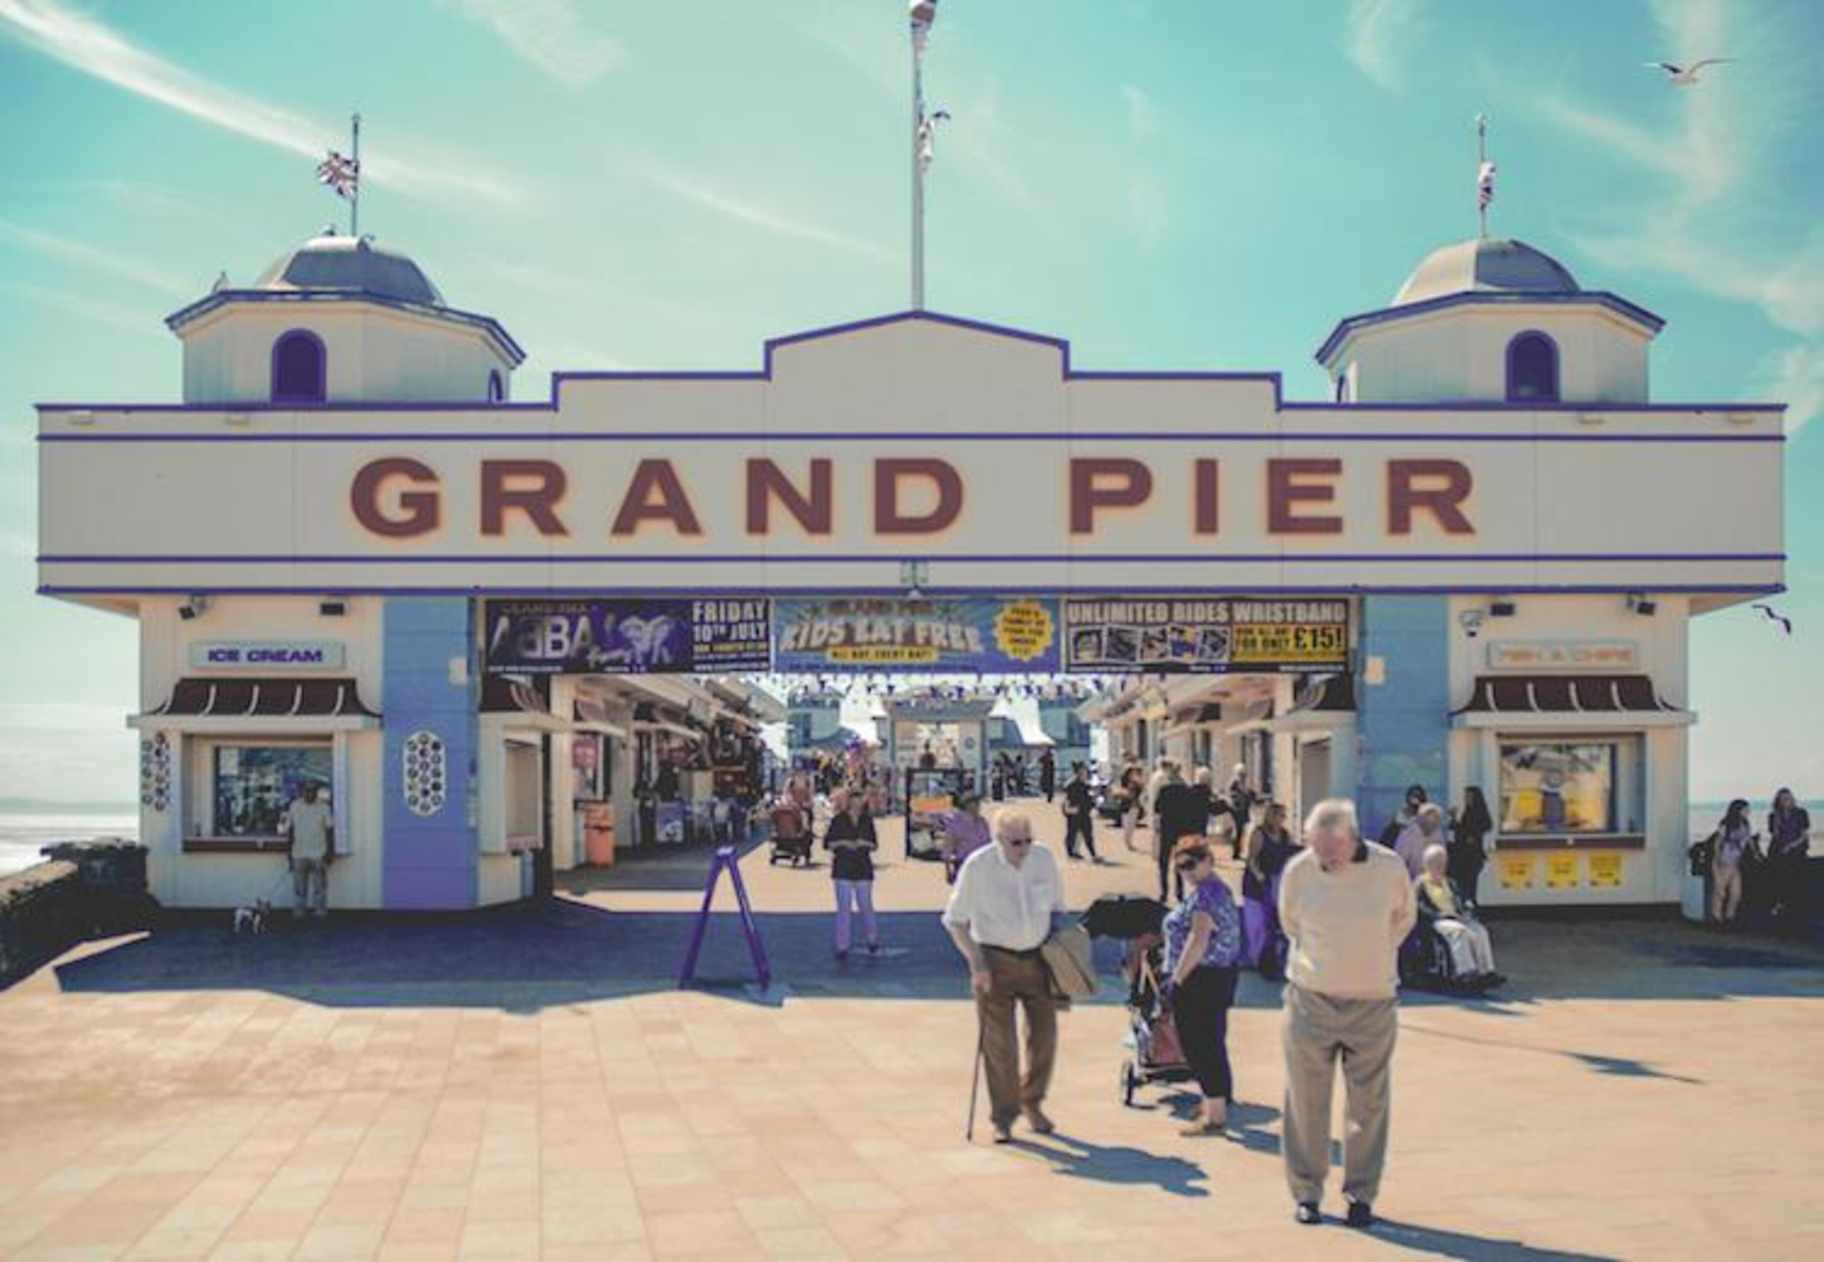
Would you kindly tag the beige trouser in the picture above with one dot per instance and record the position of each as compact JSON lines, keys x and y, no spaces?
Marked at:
{"x":1725,"y":891}
{"x":1021,"y":979}
{"x":1468,"y":942}
{"x":1318,"y":1029}
{"x":309,"y":886}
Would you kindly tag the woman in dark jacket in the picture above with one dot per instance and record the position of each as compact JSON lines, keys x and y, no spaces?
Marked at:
{"x":1467,"y":849}
{"x":851,"y":842}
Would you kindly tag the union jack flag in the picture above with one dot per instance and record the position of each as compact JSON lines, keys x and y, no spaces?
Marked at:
{"x":340,"y":173}
{"x":1485,"y":185}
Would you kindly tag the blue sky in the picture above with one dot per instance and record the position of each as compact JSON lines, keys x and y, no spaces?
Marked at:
{"x":1168,"y":184}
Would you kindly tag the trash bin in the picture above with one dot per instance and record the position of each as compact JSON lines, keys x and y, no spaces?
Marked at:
{"x":598,"y":833}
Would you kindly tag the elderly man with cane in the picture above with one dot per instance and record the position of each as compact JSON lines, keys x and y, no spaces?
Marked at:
{"x":1006,"y":901}
{"x":1346,"y":905}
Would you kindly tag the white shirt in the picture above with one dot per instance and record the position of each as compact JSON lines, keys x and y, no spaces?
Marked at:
{"x":309,"y":824}
{"x":1005,"y":906}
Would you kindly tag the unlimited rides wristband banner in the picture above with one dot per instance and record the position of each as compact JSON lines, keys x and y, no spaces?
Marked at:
{"x":986,"y":634}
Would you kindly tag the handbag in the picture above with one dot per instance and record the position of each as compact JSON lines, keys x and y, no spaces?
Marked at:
{"x":1069,"y":964}
{"x":1703,"y":854}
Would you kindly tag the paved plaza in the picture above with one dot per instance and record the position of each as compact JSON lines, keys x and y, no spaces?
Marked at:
{"x":528,"y":1083}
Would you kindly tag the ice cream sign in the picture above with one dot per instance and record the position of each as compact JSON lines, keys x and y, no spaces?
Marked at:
{"x":268,"y":655}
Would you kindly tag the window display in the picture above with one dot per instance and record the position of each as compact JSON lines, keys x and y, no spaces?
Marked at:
{"x":253,"y":784}
{"x":1558,"y":788}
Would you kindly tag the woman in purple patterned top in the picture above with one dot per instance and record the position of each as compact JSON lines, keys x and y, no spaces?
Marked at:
{"x":1202,"y":952}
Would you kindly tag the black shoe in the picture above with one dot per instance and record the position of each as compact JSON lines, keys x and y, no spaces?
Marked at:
{"x":1307,"y":1214}
{"x":1361,"y":1214}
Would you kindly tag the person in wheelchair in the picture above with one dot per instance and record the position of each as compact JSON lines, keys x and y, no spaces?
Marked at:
{"x":1460,"y":952}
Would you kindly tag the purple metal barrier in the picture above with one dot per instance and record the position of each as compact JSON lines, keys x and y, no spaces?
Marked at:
{"x":725,"y":859}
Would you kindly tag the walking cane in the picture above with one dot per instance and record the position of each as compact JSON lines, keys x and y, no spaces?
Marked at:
{"x":975,"y":1090}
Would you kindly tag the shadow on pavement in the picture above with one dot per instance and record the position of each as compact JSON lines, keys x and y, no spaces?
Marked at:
{"x":1458,"y":1244}
{"x":1080,"y":1159}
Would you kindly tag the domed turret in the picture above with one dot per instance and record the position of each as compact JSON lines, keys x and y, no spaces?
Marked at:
{"x":1480,"y":265}
{"x":350,"y":265}
{"x":337,"y":319}
{"x":1492,"y":321}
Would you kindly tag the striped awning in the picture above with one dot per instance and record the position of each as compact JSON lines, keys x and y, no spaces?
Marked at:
{"x":307,"y":698}
{"x":1565,"y":694}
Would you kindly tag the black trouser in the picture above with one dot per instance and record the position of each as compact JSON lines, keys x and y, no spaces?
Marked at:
{"x":1083,"y":825}
{"x":1201,"y":1011}
{"x":1168,"y":880}
{"x":1464,"y":866}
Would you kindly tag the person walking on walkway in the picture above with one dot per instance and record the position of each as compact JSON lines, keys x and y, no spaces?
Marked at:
{"x":1241,"y":806}
{"x":1178,"y":812}
{"x":965,"y":832}
{"x":1468,"y":846}
{"x":1048,"y":775}
{"x":1788,"y":844}
{"x":1006,"y":902}
{"x":1734,"y":846}
{"x":1131,"y":785}
{"x":851,"y":842}
{"x":1202,"y":952}
{"x":310,"y":847}
{"x":1079,"y":814}
{"x":1347,"y":905}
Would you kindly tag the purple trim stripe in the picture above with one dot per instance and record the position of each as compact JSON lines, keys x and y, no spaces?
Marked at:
{"x":1002,"y":436}
{"x":772,"y":345}
{"x":852,"y":558}
{"x":953,"y":590}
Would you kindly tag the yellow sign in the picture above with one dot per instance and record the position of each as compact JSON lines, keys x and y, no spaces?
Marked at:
{"x":1287,"y":643}
{"x":1023,"y":630}
{"x":932,"y":804}
{"x":1605,"y":870}
{"x":1561,"y":871}
{"x":1516,"y":871}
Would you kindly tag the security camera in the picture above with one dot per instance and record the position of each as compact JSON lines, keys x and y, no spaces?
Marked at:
{"x":192,"y":607}
{"x":1471,"y":622}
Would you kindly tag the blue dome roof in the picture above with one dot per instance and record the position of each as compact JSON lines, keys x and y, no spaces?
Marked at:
{"x":1482,"y":265}
{"x":350,"y":265}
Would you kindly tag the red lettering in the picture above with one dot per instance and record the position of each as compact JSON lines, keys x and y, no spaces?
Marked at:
{"x":1206,"y":502}
{"x":421,"y":510}
{"x":652,"y":477}
{"x":1089,"y":489}
{"x":1286,"y":490}
{"x":889,"y":520}
{"x":1442,"y":502}
{"x":815,"y":512}
{"x":537,"y":502}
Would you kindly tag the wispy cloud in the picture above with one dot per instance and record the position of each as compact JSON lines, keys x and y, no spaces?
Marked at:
{"x":744,"y":209}
{"x":70,"y":251}
{"x":127,"y":319}
{"x":552,"y":35}
{"x":1706,"y":155}
{"x":95,"y":48}
{"x":1378,"y":37}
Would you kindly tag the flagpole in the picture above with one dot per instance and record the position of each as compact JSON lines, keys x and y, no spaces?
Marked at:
{"x":1481,"y":160}
{"x":921,"y":17}
{"x":354,"y":202}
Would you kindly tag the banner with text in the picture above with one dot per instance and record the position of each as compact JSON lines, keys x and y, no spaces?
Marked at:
{"x":627,"y":637}
{"x":989,"y":634}
{"x":1205,"y":634}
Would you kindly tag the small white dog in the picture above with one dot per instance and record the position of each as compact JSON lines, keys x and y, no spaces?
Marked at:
{"x":252,"y":919}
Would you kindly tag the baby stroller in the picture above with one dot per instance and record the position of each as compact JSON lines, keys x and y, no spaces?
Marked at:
{"x":1157,"y":1055}
{"x":791,"y":836}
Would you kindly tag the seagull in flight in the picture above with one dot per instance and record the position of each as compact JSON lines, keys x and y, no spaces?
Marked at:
{"x":1685,"y":76}
{"x":1785,"y":622}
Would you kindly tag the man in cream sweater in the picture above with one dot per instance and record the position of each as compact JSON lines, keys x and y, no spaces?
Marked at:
{"x":1346,"y":905}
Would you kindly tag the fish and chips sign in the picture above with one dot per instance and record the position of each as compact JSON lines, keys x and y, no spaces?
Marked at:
{"x":1207,"y":636}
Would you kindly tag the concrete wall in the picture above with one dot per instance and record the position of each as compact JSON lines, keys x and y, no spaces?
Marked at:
{"x":1460,"y":353}
{"x":373,"y":353}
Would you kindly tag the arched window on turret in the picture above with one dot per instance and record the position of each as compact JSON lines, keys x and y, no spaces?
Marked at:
{"x":298,"y":368}
{"x":497,"y":389}
{"x":1532,"y":369}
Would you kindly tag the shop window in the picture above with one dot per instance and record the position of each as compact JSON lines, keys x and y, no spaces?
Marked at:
{"x":1532,"y":369}
{"x":252,"y":785}
{"x":524,"y":808}
{"x":298,"y":368}
{"x":1570,"y":787}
